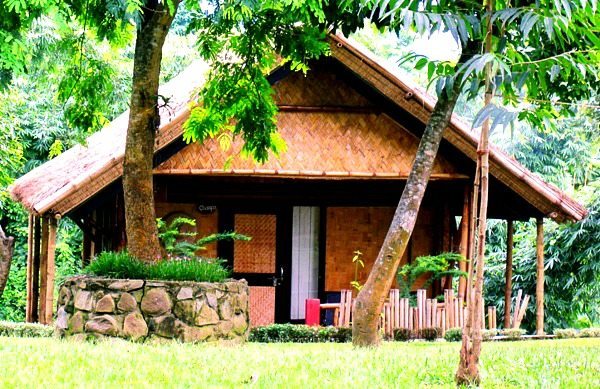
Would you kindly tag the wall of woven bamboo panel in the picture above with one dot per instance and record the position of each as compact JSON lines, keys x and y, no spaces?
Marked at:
{"x":258,"y":254}
{"x":318,"y":143}
{"x":364,"y":228}
{"x":261,"y":305}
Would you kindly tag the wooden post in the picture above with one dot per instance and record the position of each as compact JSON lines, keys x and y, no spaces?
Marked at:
{"x":43,"y":270}
{"x":508,"y":272}
{"x":47,"y":269}
{"x":539,"y":289}
{"x":33,"y":303}
{"x":30,"y":269}
{"x":464,"y":243}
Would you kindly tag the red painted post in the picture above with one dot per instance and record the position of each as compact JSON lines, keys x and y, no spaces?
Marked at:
{"x":313,"y":312}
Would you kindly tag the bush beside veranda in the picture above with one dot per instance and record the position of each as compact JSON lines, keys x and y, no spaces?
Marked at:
{"x":25,"y":330}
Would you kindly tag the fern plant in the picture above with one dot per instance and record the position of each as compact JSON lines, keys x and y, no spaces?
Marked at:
{"x":437,"y":266}
{"x":181,"y":245}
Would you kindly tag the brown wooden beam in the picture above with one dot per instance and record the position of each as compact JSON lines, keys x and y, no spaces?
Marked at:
{"x":539,"y":289}
{"x":329,"y":108}
{"x":508,"y":272}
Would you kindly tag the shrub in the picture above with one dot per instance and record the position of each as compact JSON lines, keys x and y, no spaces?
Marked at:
{"x":453,"y":334}
{"x":430,"y":334}
{"x":180,"y":244}
{"x":25,"y":330}
{"x":566,"y":333}
{"x":123,"y":265}
{"x":283,"y":333}
{"x":513,"y":333}
{"x":402,"y":334}
{"x":488,"y":334}
{"x":590,"y":332}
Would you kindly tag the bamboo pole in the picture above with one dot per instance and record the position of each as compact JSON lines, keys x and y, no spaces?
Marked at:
{"x":434,"y":315}
{"x":402,"y":322}
{"x":517,"y":306}
{"x":30,"y":269}
{"x":51,"y":268}
{"x":35,"y":282}
{"x":521,"y":312}
{"x":508,"y":272}
{"x":43,"y":270}
{"x":539,"y":289}
{"x":464,"y":243}
{"x":396,"y":308}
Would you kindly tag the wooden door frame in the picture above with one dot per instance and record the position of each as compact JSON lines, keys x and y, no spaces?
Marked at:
{"x":283,"y":251}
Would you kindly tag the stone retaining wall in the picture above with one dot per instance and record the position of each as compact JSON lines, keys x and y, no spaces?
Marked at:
{"x":140,"y":310}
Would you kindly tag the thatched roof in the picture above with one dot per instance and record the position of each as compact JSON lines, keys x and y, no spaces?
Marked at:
{"x":68,"y":180}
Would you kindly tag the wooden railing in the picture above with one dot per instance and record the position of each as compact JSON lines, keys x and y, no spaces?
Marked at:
{"x":446,"y":314}
{"x":397,"y":312}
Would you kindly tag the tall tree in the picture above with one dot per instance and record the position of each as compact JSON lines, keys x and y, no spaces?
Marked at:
{"x":554,"y":68}
{"x":144,"y":121}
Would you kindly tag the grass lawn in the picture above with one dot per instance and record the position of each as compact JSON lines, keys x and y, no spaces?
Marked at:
{"x":58,"y":363}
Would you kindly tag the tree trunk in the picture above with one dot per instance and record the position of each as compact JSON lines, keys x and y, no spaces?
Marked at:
{"x":6,"y":254}
{"x":144,"y":121}
{"x":508,"y":272}
{"x":371,"y":297}
{"x":468,"y":368}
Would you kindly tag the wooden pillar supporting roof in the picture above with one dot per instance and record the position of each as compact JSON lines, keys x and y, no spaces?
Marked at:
{"x":508,"y":272}
{"x":41,"y":269}
{"x":539,"y":289}
{"x":33,"y":270}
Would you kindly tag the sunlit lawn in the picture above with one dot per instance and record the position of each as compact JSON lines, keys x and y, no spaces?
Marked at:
{"x":58,"y":363}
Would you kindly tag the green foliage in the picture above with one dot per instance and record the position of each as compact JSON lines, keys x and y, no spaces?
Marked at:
{"x":572,"y":268}
{"x":25,"y":330}
{"x":513,"y":333}
{"x":293,"y":333}
{"x":589,"y":333}
{"x":565,"y":333}
{"x":488,"y":334}
{"x":569,"y":363}
{"x":430,"y":334}
{"x":179,"y":244}
{"x":358,"y":263}
{"x":244,"y":41}
{"x":121,"y":265}
{"x":437,"y":266}
{"x":403,"y":334}
{"x":542,"y":52}
{"x":453,"y":335}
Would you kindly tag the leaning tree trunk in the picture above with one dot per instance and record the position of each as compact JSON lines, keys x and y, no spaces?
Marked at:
{"x":468,"y":368}
{"x":6,"y":254}
{"x":371,"y":297}
{"x":144,"y":121}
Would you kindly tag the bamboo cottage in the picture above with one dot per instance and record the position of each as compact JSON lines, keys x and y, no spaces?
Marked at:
{"x":352,"y":128}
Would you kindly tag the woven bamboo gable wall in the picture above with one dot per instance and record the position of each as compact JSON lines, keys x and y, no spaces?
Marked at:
{"x":318,"y":143}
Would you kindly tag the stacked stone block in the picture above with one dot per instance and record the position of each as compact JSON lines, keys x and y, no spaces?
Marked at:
{"x":153,"y":310}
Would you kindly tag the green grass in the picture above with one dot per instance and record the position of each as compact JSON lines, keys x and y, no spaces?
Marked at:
{"x":123,"y":265}
{"x":569,"y":363}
